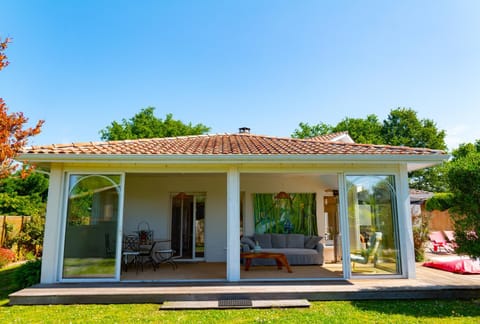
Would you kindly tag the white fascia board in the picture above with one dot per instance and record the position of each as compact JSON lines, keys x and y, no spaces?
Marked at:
{"x":414,"y":161}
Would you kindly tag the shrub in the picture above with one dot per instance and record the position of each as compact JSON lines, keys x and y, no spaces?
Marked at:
{"x":464,"y":178}
{"x":6,"y":256}
{"x":420,"y":235}
{"x":29,"y":274}
{"x":440,"y":201}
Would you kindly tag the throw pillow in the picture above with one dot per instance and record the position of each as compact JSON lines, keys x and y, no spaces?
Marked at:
{"x":264,"y":240}
{"x":295,"y":241}
{"x":247,"y":240}
{"x":312,"y":242}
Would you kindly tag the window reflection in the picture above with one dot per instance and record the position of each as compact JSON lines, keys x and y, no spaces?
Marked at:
{"x":372,"y":213}
{"x":91,"y":224}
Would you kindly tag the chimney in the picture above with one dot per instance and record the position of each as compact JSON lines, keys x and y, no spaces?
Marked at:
{"x":244,"y":130}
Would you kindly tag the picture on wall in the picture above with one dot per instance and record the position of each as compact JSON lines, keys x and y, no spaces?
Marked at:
{"x":285,"y":213}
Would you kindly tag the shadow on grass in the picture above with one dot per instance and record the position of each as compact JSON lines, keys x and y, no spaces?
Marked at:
{"x":422,"y":308}
{"x":8,"y":283}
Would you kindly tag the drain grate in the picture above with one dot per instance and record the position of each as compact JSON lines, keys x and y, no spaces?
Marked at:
{"x":235,"y":302}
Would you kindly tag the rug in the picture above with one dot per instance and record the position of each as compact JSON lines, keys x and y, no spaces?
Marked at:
{"x":457,"y":265}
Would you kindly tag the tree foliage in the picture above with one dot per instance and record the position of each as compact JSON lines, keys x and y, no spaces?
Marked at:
{"x":13,"y":135}
{"x":402,"y":127}
{"x":464,"y":179}
{"x":366,"y":131}
{"x":145,"y":125}
{"x":23,"y":196}
{"x":306,"y":130}
{"x":33,"y":183}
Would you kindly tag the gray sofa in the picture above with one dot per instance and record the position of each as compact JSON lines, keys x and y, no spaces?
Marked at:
{"x":298,"y":248}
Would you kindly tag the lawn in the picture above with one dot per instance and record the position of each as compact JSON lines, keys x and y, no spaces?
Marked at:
{"x":441,"y":311}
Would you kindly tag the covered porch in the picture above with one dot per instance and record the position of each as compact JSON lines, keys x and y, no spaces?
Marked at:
{"x":201,"y":216}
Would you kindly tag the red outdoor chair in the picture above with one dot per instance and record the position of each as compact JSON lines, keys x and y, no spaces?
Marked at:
{"x":450,"y":235}
{"x":439,"y":243}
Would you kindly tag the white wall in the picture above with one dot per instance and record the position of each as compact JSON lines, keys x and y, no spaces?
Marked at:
{"x":147,"y":198}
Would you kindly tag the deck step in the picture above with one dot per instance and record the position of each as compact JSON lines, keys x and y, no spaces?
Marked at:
{"x":235,"y":304}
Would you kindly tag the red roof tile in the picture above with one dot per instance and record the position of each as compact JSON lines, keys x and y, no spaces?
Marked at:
{"x":225,"y":144}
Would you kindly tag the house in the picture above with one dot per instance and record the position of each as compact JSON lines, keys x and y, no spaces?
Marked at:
{"x":200,"y":194}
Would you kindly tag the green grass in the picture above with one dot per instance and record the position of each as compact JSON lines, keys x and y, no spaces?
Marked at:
{"x":431,"y":311}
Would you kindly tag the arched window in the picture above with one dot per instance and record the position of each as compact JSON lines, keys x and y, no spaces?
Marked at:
{"x":91,"y":226}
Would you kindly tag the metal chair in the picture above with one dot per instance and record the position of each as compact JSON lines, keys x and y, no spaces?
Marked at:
{"x":146,"y":256}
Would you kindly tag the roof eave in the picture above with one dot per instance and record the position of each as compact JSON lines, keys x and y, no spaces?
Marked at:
{"x":414,"y":162}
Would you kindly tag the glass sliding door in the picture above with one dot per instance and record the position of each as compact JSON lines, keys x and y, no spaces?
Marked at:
{"x":91,"y":226}
{"x":373,"y":224}
{"x":188,"y":225}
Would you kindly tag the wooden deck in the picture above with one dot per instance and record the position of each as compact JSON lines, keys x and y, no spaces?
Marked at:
{"x":430,"y":284}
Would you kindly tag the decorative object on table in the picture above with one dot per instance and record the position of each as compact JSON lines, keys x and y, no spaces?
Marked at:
{"x":257,"y":247}
{"x":145,"y":234}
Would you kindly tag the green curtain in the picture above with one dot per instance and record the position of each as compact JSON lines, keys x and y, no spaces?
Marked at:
{"x":294,"y":215}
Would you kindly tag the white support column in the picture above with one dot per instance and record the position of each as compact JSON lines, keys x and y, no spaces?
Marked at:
{"x":407,"y":250}
{"x":344,"y":225}
{"x":53,"y":226}
{"x":233,"y":224}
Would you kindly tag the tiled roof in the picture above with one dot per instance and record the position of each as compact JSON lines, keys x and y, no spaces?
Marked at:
{"x":419,"y":195}
{"x":224,"y":144}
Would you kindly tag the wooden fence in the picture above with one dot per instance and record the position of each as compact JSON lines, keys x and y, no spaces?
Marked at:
{"x":17,"y":223}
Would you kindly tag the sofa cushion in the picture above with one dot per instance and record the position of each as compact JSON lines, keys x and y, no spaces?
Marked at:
{"x":312,"y":241}
{"x":264,"y":240}
{"x":279,"y":241}
{"x":295,"y":241}
{"x":248,"y":240}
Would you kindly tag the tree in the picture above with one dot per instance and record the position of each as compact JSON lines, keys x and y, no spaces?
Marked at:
{"x":464,"y":179}
{"x":145,"y":125}
{"x":13,"y":136}
{"x":402,"y":127}
{"x":33,"y":183}
{"x":466,"y":149}
{"x":307,"y":131}
{"x":366,"y":131}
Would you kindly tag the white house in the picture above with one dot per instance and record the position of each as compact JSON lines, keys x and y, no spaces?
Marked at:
{"x":201,"y":193}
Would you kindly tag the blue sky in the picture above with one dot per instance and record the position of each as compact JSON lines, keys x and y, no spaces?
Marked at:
{"x":267,"y":65}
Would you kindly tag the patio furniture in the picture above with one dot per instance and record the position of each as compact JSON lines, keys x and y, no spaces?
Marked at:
{"x":146,"y":256}
{"x":133,"y":256}
{"x":130,"y":251}
{"x":280,"y":259}
{"x":439,"y":243}
{"x":166,"y":256}
{"x":370,"y":254}
{"x":299,"y":249}
{"x":450,"y":236}
{"x":145,"y":234}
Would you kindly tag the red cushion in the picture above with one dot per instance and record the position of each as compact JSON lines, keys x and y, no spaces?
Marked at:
{"x":463,"y":266}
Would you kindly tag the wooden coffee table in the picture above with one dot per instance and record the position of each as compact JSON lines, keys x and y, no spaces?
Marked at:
{"x":280,"y":258}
